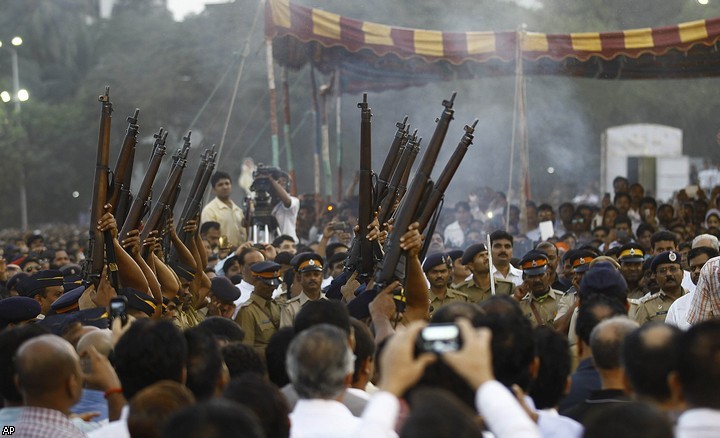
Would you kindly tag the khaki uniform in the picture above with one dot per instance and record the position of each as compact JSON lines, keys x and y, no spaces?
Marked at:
{"x":543,"y":310}
{"x":475,"y":294}
{"x":292,"y":307}
{"x":450,"y":296}
{"x":654,"y":307}
{"x":259,"y":319}
{"x":637,"y":293}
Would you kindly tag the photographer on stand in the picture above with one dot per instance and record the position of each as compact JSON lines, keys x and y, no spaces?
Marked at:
{"x":274,"y":208}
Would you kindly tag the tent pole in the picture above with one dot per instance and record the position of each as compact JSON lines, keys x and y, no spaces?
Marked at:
{"x":338,"y":134}
{"x":316,"y":119}
{"x":273,"y":102}
{"x":286,"y":129}
{"x":512,"y":139}
{"x":325,"y":95}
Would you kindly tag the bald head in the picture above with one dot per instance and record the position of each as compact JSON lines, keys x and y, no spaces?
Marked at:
{"x":44,"y":364}
{"x":706,"y":240}
{"x":606,"y":341}
{"x":100,"y":339}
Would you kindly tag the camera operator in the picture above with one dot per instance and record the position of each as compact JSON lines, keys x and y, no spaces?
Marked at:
{"x":285,"y":207}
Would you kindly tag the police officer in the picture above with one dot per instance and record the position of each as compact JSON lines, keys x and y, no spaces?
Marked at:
{"x":478,"y":288}
{"x":540,"y":303}
{"x":631,"y":258}
{"x":437,"y":273}
{"x":308,"y":269}
{"x":223,"y":295}
{"x":259,"y":317}
{"x":669,"y":275}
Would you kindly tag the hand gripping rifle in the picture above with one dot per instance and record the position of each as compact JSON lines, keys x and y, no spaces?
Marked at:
{"x":120,"y":196}
{"x":410,"y":207}
{"x":100,"y":242}
{"x":393,"y":264}
{"x":169,"y":191}
{"x":360,"y":256}
{"x":140,"y":204}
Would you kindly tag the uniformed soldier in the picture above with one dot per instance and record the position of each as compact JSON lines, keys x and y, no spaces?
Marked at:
{"x":668,"y":274}
{"x":18,"y":310}
{"x":540,"y":303}
{"x":477,"y":288}
{"x":458,"y":272}
{"x":44,"y":287}
{"x":308,"y":272}
{"x":437,"y":272}
{"x":222,"y":297}
{"x":631,"y":258}
{"x":259,"y":317}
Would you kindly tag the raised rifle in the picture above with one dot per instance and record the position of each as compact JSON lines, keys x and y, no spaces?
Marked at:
{"x":120,"y":196}
{"x":401,"y":172}
{"x":98,"y":241}
{"x":393,"y":266}
{"x":382,"y":186}
{"x":433,"y":205}
{"x":360,"y":256}
{"x":165,"y":199}
{"x":193,"y":204}
{"x":140,"y":204}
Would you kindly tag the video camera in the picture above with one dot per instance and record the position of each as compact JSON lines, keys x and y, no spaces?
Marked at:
{"x":262,"y":184}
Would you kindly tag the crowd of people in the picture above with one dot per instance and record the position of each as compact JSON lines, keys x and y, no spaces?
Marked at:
{"x":503,"y":321}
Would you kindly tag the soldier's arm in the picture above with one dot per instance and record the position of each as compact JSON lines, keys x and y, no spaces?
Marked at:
{"x":418,"y":305}
{"x":287,"y":316}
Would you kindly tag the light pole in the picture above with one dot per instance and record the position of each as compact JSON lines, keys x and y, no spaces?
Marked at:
{"x":19,"y":95}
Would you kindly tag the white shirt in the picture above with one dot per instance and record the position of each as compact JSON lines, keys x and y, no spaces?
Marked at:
{"x":318,"y":418}
{"x":687,"y":282}
{"x":246,"y":289}
{"x":287,"y":216}
{"x":454,"y":235}
{"x":502,"y":413}
{"x":514,"y":275}
{"x":698,"y":423}
{"x":678,"y":311}
{"x":114,"y":429}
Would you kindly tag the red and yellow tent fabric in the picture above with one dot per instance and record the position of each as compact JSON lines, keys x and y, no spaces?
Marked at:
{"x":373,"y":56}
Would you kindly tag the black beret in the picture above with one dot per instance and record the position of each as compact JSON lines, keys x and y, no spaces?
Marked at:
{"x":183,"y":271}
{"x":665,"y":258}
{"x":472,"y":251}
{"x":435,"y":259}
{"x":455,"y":254}
{"x":58,"y":324}
{"x":603,"y":279}
{"x":223,"y":289}
{"x":534,"y":263}
{"x":17,"y":309}
{"x":138,"y":300}
{"x":15,"y":280}
{"x":284,"y":258}
{"x":268,"y":272}
{"x":35,"y":283}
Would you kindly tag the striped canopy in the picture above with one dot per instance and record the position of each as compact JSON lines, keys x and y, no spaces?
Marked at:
{"x":373,"y":57}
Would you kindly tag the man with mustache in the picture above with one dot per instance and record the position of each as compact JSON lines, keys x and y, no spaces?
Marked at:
{"x":669,"y":275}
{"x":308,"y":269}
{"x":501,"y":243}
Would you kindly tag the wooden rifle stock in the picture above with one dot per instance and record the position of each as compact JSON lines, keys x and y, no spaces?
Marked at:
{"x":139,"y":204}
{"x":95,"y":258}
{"x":171,"y":185}
{"x":408,"y":210}
{"x":122,"y":175}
